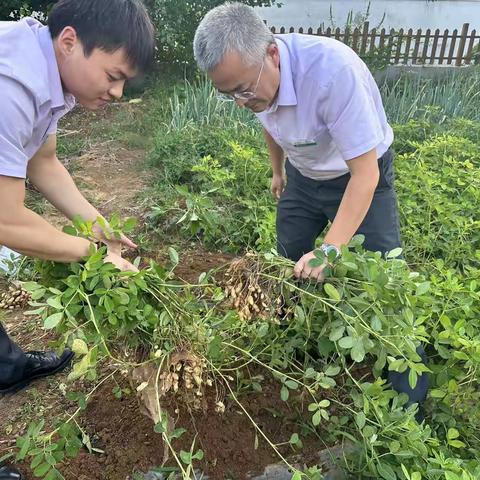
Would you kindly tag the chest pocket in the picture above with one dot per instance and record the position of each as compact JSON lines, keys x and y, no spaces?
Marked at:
{"x":311,"y":149}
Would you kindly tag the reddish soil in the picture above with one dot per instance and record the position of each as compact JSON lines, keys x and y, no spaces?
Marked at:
{"x":228,"y":440}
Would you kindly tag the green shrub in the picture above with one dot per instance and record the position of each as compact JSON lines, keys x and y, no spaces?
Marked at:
{"x":439,"y":192}
{"x":176,"y":23}
{"x":15,"y":9}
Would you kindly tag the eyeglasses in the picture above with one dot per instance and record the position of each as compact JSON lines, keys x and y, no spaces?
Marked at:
{"x":245,"y":95}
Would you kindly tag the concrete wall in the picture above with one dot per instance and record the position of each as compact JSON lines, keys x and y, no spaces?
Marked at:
{"x":399,"y":13}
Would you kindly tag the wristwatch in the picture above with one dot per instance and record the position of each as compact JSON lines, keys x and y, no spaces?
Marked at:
{"x":326,"y":248}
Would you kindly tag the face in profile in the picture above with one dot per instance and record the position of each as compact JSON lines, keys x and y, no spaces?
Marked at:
{"x":95,"y":79}
{"x":251,"y":86}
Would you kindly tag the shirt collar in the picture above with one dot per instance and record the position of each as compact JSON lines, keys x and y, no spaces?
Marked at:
{"x":58,"y":97}
{"x":287,"y":96}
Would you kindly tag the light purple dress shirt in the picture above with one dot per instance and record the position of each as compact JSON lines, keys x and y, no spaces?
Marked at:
{"x":32,"y":99}
{"x":328,"y":109}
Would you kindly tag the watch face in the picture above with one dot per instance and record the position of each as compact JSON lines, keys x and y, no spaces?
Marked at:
{"x":330,"y":248}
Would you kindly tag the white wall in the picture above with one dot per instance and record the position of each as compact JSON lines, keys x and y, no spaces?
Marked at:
{"x":399,"y":13}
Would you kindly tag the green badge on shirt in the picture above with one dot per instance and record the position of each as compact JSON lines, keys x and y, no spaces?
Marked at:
{"x":305,"y":143}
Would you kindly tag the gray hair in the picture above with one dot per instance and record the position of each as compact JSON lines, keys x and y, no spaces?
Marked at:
{"x":231,"y":27}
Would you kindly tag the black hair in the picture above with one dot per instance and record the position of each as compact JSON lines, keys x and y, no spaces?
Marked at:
{"x":108,"y":25}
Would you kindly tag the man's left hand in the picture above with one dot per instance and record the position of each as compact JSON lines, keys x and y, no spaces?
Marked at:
{"x":303,"y":269}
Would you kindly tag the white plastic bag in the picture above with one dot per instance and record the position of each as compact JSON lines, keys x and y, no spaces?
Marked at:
{"x":6,"y":257}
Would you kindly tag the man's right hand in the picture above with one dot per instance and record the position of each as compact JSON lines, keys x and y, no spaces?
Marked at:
{"x":120,"y":263}
{"x":278,"y":185}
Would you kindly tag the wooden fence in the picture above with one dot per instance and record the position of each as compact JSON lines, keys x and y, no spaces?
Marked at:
{"x":406,"y":46}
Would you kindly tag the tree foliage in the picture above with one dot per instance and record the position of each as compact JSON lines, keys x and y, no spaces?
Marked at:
{"x":176,"y":21}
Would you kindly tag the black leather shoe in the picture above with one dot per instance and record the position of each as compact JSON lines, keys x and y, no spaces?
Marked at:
{"x":8,"y":473}
{"x":39,"y":365}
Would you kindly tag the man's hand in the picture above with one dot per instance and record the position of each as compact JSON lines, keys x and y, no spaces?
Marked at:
{"x":278,"y":185}
{"x":114,"y":244}
{"x":303,"y":270}
{"x":114,"y":248}
{"x":119,"y":262}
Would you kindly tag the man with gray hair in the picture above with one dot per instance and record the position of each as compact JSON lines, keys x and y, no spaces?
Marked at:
{"x":321,"y":110}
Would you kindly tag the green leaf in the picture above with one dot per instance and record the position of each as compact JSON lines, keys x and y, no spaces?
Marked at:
{"x":294,"y":439}
{"x":337,"y":334}
{"x":327,"y":382}
{"x":315,"y":262}
{"x":332,"y":292}
{"x":332,"y":370}
{"x":358,"y":351}
{"x":186,"y":457}
{"x":396,"y":252}
{"x":129,"y":224}
{"x":79,"y":347}
{"x":108,"y":304}
{"x":386,"y":471}
{"x":177,"y":433}
{"x":198,"y":455}
{"x":296,"y":476}
{"x":70,"y":230}
{"x":360,"y":419}
{"x":159,"y":428}
{"x":52,"y":475}
{"x":284,"y":393}
{"x":299,"y":314}
{"x":317,"y":418}
{"x":357,"y":240}
{"x":53,"y":320}
{"x":423,"y":288}
{"x":376,"y":324}
{"x":262,"y":330}
{"x":42,"y":470}
{"x":395,"y":446}
{"x":55,"y":303}
{"x":37,"y":460}
{"x":452,"y":433}
{"x":437,"y":393}
{"x":456,"y":444}
{"x":123,"y":297}
{"x":412,"y":378}
{"x":346,"y":342}
{"x":451,"y":476}
{"x":173,"y":254}
{"x":24,"y":444}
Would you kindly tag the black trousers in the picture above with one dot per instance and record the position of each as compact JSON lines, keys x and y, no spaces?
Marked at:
{"x":12,"y":359}
{"x":306,"y":206}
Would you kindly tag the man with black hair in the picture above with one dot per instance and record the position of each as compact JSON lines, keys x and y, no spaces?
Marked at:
{"x":85,"y":54}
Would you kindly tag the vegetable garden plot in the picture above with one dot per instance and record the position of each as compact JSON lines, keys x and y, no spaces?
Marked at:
{"x":195,"y":346}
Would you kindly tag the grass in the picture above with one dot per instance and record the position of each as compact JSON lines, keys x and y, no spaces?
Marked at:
{"x":410,"y":97}
{"x":198,"y":104}
{"x":454,"y":95}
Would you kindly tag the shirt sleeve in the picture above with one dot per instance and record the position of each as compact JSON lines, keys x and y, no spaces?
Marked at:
{"x":350,"y":113}
{"x":17,"y":117}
